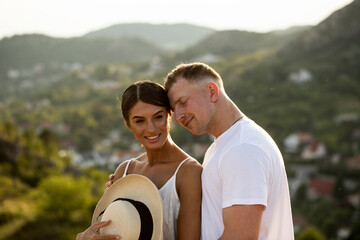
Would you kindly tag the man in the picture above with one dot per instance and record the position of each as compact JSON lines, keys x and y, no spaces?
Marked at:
{"x":245,"y":188}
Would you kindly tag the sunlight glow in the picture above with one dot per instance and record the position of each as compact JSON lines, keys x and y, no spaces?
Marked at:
{"x":67,"y":18}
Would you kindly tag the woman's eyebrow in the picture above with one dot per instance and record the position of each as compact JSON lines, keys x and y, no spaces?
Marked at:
{"x":137,"y":117}
{"x":160,"y":111}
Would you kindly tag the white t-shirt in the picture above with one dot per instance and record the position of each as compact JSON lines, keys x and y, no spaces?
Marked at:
{"x":244,"y":166}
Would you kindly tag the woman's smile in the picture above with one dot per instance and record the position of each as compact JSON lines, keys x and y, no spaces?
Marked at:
{"x":153,"y":138}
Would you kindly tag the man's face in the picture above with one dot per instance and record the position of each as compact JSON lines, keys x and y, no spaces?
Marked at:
{"x":191,"y":105}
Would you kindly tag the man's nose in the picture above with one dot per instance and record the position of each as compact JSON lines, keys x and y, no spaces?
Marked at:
{"x":178,"y":114}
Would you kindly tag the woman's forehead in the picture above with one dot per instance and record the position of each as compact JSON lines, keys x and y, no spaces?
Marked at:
{"x":144,"y":109}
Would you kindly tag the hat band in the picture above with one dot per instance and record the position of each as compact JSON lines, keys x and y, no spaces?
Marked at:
{"x":147,"y":225}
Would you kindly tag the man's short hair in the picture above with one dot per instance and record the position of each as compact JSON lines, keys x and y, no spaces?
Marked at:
{"x":192,"y":72}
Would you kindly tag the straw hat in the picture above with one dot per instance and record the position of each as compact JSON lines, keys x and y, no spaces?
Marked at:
{"x":134,"y":206}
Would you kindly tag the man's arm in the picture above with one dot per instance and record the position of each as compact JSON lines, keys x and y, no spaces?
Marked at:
{"x":244,"y":176}
{"x":242,"y":222}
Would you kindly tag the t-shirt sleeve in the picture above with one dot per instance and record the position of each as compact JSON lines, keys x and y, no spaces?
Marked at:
{"x":244,"y":176}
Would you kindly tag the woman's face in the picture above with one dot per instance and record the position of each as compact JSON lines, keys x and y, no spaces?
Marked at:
{"x":149,"y":124}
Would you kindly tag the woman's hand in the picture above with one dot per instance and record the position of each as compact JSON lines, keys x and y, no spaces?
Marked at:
{"x":110,"y":182}
{"x":92,"y":233}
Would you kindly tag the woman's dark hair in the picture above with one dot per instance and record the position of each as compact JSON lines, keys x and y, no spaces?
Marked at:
{"x":145,"y":91}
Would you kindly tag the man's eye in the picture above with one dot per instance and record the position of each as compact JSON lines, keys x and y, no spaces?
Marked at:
{"x":183,"y":103}
{"x":139,"y":121}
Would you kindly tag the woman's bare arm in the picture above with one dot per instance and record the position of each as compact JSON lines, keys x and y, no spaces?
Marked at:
{"x":189,"y":190}
{"x":119,"y":172}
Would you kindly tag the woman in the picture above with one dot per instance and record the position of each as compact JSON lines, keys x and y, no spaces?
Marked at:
{"x":146,"y":112}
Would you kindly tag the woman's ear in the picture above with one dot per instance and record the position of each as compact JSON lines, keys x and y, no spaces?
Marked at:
{"x":213,"y":90}
{"x":169,"y":119}
{"x":126,"y":123}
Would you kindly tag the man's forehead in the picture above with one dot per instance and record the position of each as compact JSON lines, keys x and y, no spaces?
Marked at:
{"x":179,"y":87}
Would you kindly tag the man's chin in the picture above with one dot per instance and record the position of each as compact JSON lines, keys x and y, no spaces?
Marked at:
{"x":195,"y":132}
{"x":192,"y":130}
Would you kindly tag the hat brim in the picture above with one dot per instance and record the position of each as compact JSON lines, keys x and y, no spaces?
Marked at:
{"x":139,"y":188}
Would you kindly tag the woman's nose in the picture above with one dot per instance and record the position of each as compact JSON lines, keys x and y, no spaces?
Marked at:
{"x":150,"y":126}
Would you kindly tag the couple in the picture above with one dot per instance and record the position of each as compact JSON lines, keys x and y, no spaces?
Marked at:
{"x":242,"y":190}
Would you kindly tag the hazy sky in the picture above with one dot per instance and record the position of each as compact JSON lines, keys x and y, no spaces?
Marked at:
{"x":69,"y":18}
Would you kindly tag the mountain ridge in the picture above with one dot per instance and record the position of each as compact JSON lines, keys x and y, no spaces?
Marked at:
{"x":169,"y":36}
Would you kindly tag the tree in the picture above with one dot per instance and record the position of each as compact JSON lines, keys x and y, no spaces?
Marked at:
{"x":49,"y":141}
{"x":32,"y":141}
{"x":9,"y":131}
{"x":63,"y":196}
{"x":311,"y":233}
{"x":355,"y":231}
{"x":102,"y":72}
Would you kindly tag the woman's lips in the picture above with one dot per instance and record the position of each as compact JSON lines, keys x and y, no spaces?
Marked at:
{"x":153,"y":138}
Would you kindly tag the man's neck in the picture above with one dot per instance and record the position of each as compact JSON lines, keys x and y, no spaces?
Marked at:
{"x":226,"y":115}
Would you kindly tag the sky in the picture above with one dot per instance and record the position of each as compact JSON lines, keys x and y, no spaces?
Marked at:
{"x":72,"y":18}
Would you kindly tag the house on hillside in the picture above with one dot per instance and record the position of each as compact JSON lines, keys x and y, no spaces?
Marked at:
{"x":293,"y":142}
{"x":120,"y":156}
{"x":321,"y":187}
{"x":155,"y":65}
{"x":207,"y":58}
{"x":109,"y":160}
{"x":346,"y":117}
{"x":354,"y":200}
{"x":304,"y":144}
{"x":107,"y":84}
{"x":313,"y":150}
{"x":353,"y":162}
{"x":303,"y":172}
{"x":300,"y":76}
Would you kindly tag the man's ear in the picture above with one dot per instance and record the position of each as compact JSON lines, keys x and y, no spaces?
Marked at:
{"x":213,"y":91}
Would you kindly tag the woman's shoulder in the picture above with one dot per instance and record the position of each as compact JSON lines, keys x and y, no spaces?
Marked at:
{"x":188,"y":178}
{"x":120,"y":170}
{"x":192,"y":163}
{"x":190,"y":168}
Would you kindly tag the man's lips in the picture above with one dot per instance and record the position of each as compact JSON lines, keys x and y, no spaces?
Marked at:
{"x":187,"y":122}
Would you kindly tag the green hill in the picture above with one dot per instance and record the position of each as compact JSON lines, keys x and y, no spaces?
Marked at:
{"x":307,"y":83}
{"x":169,"y":36}
{"x":258,"y":70}
{"x":234,"y":42}
{"x":25,"y":51}
{"x":334,"y":42}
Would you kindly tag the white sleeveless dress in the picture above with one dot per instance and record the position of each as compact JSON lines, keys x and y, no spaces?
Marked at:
{"x":171,"y":204}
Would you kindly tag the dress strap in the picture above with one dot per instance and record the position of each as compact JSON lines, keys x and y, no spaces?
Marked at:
{"x":127,"y":166}
{"x":180,"y":165}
